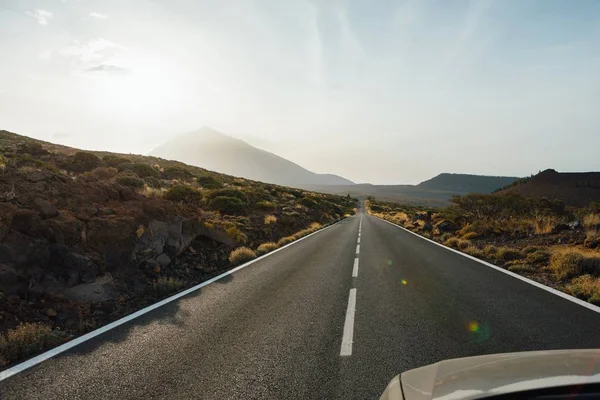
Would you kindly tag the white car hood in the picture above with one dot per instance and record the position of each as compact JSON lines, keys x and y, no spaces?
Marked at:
{"x":482,"y":376}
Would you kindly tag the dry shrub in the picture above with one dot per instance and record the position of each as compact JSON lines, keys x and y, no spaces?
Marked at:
{"x":585,"y":287}
{"x":470,"y":235}
{"x":104,"y":173}
{"x":509,"y":254}
{"x":237,"y":234}
{"x":544,"y":225}
{"x":522,"y":268}
{"x":270,"y":219}
{"x":285,"y":240}
{"x":241,"y":254}
{"x":490,"y":251}
{"x":452,"y":242}
{"x":463,"y":244}
{"x":591,"y":220}
{"x":569,"y":262}
{"x":538,"y":257}
{"x":473,"y":251}
{"x":164,"y":286}
{"x":267,"y":247}
{"x":28,"y":339}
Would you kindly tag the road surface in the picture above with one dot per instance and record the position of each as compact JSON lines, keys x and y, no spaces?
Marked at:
{"x":310,"y":322}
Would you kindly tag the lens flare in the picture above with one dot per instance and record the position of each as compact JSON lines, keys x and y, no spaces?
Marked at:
{"x":389,"y":262}
{"x":404,"y":282}
{"x":473,"y":326}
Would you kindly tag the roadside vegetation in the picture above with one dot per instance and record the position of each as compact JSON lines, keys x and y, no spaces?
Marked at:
{"x":544,"y":240}
{"x":88,"y":237}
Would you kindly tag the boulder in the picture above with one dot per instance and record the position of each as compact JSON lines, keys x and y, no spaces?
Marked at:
{"x":45,"y":208}
{"x":151,"y":242}
{"x":574,"y":225}
{"x":102,"y":289}
{"x":446,"y":226}
{"x":10,"y":282}
{"x":164,"y":260}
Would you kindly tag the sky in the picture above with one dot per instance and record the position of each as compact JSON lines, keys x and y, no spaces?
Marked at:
{"x":385,"y":92}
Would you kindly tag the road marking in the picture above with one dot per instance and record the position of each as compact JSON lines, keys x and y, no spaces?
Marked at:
{"x":522,"y":278}
{"x":346,"y":349}
{"x":358,"y":240}
{"x":7,"y":373}
{"x":357,"y":248}
{"x":355,"y":268}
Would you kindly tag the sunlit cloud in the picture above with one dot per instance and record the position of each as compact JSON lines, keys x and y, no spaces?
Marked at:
{"x":108,"y":70}
{"x":98,"y":15}
{"x":40,"y":16}
{"x":92,"y":52}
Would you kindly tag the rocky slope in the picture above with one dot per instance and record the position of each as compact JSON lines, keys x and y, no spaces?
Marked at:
{"x":87,"y":237}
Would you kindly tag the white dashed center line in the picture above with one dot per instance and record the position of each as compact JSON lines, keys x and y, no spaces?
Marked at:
{"x":357,"y":248}
{"x":346,"y":349}
{"x":355,"y":269}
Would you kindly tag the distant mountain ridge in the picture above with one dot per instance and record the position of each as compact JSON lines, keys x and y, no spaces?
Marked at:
{"x":573,"y":188}
{"x":215,"y":151}
{"x":435,"y":191}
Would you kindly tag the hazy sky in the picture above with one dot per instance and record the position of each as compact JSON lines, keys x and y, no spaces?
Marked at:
{"x":377,"y":91}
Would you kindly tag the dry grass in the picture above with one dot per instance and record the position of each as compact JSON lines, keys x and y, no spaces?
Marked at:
{"x":544,"y":225}
{"x":490,"y":251}
{"x":153,"y":193}
{"x":591,"y":220}
{"x":509,"y":254}
{"x":470,"y":235}
{"x":585,"y":287}
{"x":267,"y":247}
{"x":472,"y":250}
{"x":241,"y":254}
{"x":28,"y":339}
{"x":285,"y":240}
{"x":452,"y":242}
{"x":538,"y":257}
{"x":270,"y":219}
{"x":463,"y":244}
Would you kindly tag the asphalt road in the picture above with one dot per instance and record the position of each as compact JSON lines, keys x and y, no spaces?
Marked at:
{"x":274,"y":330}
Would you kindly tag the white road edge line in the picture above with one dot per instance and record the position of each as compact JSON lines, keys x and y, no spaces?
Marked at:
{"x":517,"y":276}
{"x":346,"y":349}
{"x":357,"y":248}
{"x":355,"y":268}
{"x":7,"y":373}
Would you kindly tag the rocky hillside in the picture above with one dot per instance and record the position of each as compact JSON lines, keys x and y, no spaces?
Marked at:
{"x":573,"y":188}
{"x":87,"y":237}
{"x":466,"y":183}
{"x":213,"y":150}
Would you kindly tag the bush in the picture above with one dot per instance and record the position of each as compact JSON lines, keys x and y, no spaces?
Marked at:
{"x":236,"y":234}
{"x":28,"y":339}
{"x":176,"y":173}
{"x":83,"y":161}
{"x":183,"y":194}
{"x":130,"y":180}
{"x":153,"y":182}
{"x":114,"y":161}
{"x":531,"y":249}
{"x":164,"y":286}
{"x":33,"y":148}
{"x":445,"y":236}
{"x":490,"y":251}
{"x":285,"y":240}
{"x":472,"y":250}
{"x":463,"y":244}
{"x":270,"y":219}
{"x":208,"y":182}
{"x":144,"y":170}
{"x":566,"y":265}
{"x":266,"y":247}
{"x":522,"y":268}
{"x":266,"y":205}
{"x":452,"y":242}
{"x":308,"y":202}
{"x":228,"y":205}
{"x":241,"y":254}
{"x":470,"y":235}
{"x":538,"y":257}
{"x":585,"y":287}
{"x":104,"y":173}
{"x":509,"y":254}
{"x":238,"y":194}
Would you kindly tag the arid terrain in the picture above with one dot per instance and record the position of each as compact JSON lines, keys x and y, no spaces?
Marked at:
{"x":88,"y":237}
